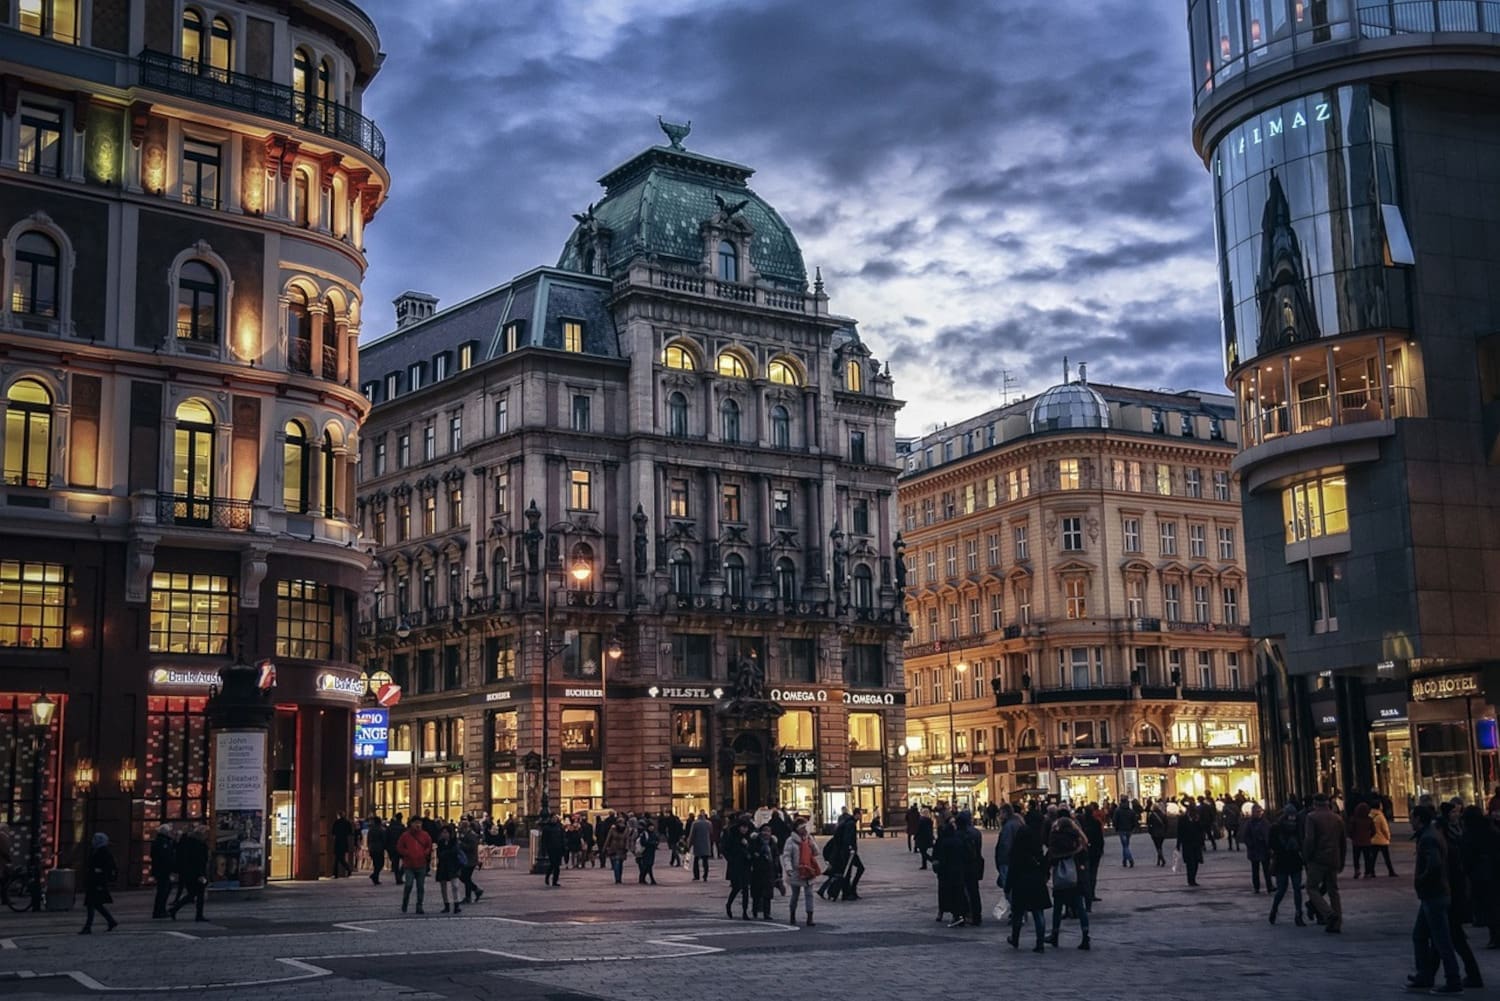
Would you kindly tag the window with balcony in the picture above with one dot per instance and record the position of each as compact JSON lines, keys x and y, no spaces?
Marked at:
{"x":581,"y":489}
{"x":1205,"y":669}
{"x":786,"y":580}
{"x":294,"y":467}
{"x":54,"y":19}
{"x":34,"y":601}
{"x":734,"y":576}
{"x":191,"y":613}
{"x":997,"y":611}
{"x":198,"y":304}
{"x":1200,"y":603}
{"x":1135,"y":597}
{"x":1023,"y":604}
{"x":200,"y":173}
{"x":573,"y":336}
{"x":1072,"y":534}
{"x":304,"y":620}
{"x":193,"y":461}
{"x":1171,"y":595}
{"x":35,"y":276}
{"x":1232,"y":670}
{"x":28,"y":434}
{"x":1315,"y":508}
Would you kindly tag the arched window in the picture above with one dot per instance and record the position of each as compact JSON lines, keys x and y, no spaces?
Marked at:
{"x":298,"y":332}
{"x":198,"y":304}
{"x":1028,"y":741}
{"x":1148,"y":736}
{"x":729,"y":262}
{"x":864,"y":587}
{"x":33,"y":289}
{"x":193,"y":47}
{"x":732,"y":366}
{"x":581,"y":559}
{"x":781,"y":427}
{"x":500,"y":573}
{"x":678,"y":357}
{"x":301,"y":193}
{"x":854,"y":376}
{"x":302,"y":84}
{"x":330,"y":477}
{"x":325,"y":80}
{"x":677,"y":415}
{"x":221,"y":47}
{"x":331,"y":344}
{"x":681,"y":566}
{"x":734,"y":575}
{"x":786,"y":579}
{"x":729,"y":421}
{"x":28,"y":432}
{"x":193,"y":462}
{"x":782,"y":373}
{"x":294,"y":468}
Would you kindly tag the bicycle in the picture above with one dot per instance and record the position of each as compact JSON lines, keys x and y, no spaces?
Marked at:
{"x":18,"y":885}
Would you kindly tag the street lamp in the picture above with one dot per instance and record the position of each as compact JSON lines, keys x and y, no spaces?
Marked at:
{"x":961,"y":667}
{"x":581,"y":570}
{"x":42,"y":710}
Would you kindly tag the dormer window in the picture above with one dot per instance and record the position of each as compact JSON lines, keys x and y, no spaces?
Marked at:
{"x":512,"y":335}
{"x":573,"y":336}
{"x":854,"y":376}
{"x":729,"y":262}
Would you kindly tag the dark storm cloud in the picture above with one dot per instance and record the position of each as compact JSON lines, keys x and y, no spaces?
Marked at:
{"x":987,"y":184}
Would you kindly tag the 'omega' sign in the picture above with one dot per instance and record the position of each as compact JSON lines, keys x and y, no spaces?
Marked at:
{"x":1448,"y":686}
{"x":869,"y":699}
{"x":793,"y":695}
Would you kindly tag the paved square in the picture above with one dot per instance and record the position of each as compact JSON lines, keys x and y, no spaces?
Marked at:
{"x":346,"y":939}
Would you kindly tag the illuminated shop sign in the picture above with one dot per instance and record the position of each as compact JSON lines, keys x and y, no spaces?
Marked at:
{"x":657,"y":692}
{"x":869,"y":699}
{"x":372,"y":732}
{"x":341,"y":684}
{"x":583,"y":693}
{"x":799,"y":764}
{"x":497,"y":696}
{"x":1447,"y":686}
{"x":1082,"y":761}
{"x":1292,"y":117}
{"x":799,"y":695}
{"x":184,"y":677}
{"x":1223,"y":761}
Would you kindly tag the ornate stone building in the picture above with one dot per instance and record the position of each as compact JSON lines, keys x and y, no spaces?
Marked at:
{"x":183,"y":195}
{"x":604,"y":491}
{"x":1076,"y":596}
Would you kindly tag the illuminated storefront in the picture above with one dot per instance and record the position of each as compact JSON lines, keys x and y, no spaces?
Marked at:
{"x":1454,"y":725}
{"x":1085,"y":777}
{"x":797,"y":783}
{"x":504,"y":792}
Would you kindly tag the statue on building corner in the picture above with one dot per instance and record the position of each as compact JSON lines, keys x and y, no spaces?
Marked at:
{"x":640,"y":540}
{"x":899,"y":548}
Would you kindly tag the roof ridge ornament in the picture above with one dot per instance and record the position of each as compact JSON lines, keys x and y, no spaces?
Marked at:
{"x":675,"y":133}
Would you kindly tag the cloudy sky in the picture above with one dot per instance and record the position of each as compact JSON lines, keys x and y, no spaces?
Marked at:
{"x":988,"y":185}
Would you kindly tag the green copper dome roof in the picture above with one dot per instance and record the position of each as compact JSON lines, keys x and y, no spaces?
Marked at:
{"x":655,"y":203}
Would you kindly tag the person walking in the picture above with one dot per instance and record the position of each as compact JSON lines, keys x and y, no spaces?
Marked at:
{"x":1010,"y":825}
{"x":163,"y":865}
{"x":376,"y":847}
{"x":762,"y":871}
{"x":615,"y":849}
{"x":192,"y":871}
{"x":1380,"y":841}
{"x":414,"y":849}
{"x":1431,"y":942}
{"x":1125,"y":821}
{"x":1231,"y":813}
{"x":1089,"y":822}
{"x":926,"y":836}
{"x":1286,"y":861}
{"x":101,"y":872}
{"x":468,"y":845}
{"x":800,"y":859}
{"x":912,"y":816}
{"x":1026,"y":881}
{"x":648,"y":841}
{"x":1068,"y":857}
{"x":1190,"y":838}
{"x":1255,"y":835}
{"x":1156,"y":827}
{"x":449,"y":864}
{"x":701,"y":840}
{"x":972,"y":860}
{"x":1361,"y":830}
{"x":392,"y":836}
{"x":1461,"y":898}
{"x":552,"y":848}
{"x":341,"y":831}
{"x":1323,"y":850}
{"x":735,"y":845}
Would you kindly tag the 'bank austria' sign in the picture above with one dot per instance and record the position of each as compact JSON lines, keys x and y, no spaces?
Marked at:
{"x":341,"y":684}
{"x":184,"y":677}
{"x":1447,"y":686}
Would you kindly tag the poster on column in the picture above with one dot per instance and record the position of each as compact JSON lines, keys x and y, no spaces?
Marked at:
{"x":239,"y":828}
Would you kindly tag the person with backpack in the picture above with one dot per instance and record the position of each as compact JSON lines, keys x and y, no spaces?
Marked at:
{"x":647,"y":842}
{"x":800,"y":859}
{"x":1068,"y":856}
{"x":1286,"y":861}
{"x":1026,"y":881}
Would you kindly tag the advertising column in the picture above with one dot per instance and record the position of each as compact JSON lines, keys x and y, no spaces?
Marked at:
{"x":239,"y":824}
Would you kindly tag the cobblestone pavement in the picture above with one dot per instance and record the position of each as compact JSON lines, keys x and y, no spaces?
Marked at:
{"x":346,"y":939}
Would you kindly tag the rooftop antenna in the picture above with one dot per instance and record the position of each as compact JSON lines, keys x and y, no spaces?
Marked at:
{"x":1007,"y":383}
{"x":1065,"y":370}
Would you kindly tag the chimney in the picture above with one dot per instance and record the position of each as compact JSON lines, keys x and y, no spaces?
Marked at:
{"x":413,"y":307}
{"x":1083,"y":373}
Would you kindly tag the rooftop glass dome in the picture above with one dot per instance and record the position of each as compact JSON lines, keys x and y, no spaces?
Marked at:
{"x":1069,"y":406}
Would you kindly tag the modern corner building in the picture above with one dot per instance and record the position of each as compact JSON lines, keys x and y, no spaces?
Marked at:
{"x":612,"y":495}
{"x":1355,"y":162}
{"x":1076,"y":596}
{"x":183,"y":192}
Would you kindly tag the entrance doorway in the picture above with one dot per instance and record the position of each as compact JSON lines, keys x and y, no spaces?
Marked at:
{"x":748,"y":781}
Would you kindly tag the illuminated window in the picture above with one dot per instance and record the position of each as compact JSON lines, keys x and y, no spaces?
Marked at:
{"x":864,"y":731}
{"x":580,"y":490}
{"x":573,"y":336}
{"x":198,"y":304}
{"x":1074,"y":589}
{"x":34,"y":277}
{"x":191,"y":613}
{"x":429,"y":516}
{"x":28,"y":432}
{"x":732,"y":366}
{"x":782,"y":373}
{"x":1315,"y":508}
{"x":677,"y":499}
{"x":794,"y":730}
{"x":40,"y":146}
{"x":503,"y":731}
{"x":221,"y":46}
{"x":33,"y":604}
{"x":455,"y":507}
{"x":1164,"y":479}
{"x":193,"y":462}
{"x":200,"y":173}
{"x":302,"y":85}
{"x":403,"y":520}
{"x":678,"y":357}
{"x":854,"y":376}
{"x":294,"y":468}
{"x":54,"y":19}
{"x":304,"y":620}
{"x":1067,"y":474}
{"x":731,"y":503}
{"x":512,"y":335}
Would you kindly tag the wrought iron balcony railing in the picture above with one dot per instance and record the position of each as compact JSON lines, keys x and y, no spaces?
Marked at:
{"x":203,"y":512}
{"x":258,"y":96}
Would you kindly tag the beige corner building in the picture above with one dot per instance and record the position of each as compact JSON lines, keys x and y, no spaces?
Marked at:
{"x":1076,"y":592}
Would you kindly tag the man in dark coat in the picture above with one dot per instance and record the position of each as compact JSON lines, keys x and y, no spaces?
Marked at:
{"x":972,"y":854}
{"x":1094,"y":830}
{"x":1255,"y":835}
{"x":375,"y":845}
{"x":552,"y":848}
{"x":1190,"y":838}
{"x":925,"y":837}
{"x":341,"y":831}
{"x":163,"y":864}
{"x":913,"y":816}
{"x":1026,"y":881}
{"x":701,"y":841}
{"x":192,"y":871}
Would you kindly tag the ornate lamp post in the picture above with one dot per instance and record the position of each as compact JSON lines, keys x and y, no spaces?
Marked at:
{"x":42,"y":710}
{"x":961,"y":667}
